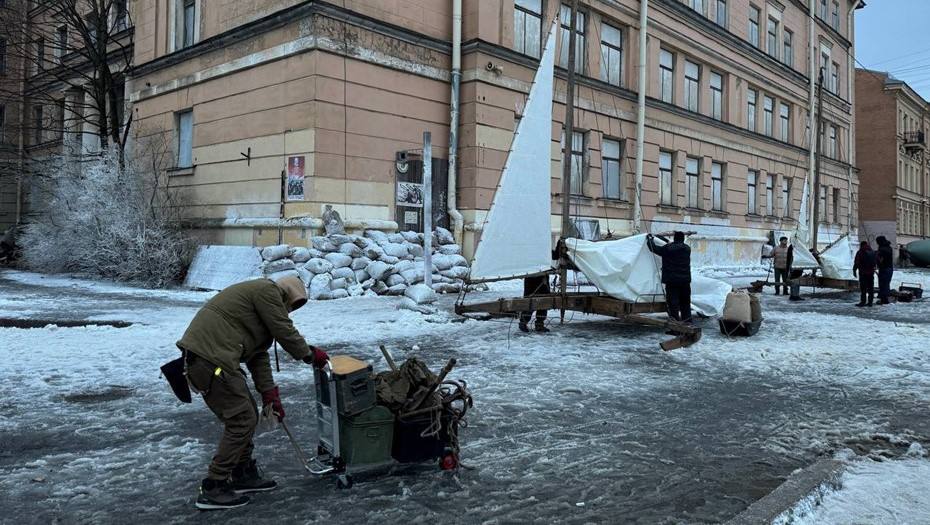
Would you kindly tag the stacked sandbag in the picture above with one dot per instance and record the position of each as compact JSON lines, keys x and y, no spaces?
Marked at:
{"x":377,"y":263}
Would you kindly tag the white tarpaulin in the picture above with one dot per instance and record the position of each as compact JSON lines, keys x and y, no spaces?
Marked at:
{"x":216,"y":267}
{"x":837,"y":260}
{"x":516,"y":239}
{"x":802,"y":257}
{"x":627,"y":270}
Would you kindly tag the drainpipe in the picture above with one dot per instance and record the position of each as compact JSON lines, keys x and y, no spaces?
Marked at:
{"x":452,"y":190}
{"x":812,"y":75}
{"x":850,"y":90}
{"x":640,"y":120}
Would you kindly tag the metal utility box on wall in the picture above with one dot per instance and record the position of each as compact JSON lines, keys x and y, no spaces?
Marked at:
{"x":409,"y":191}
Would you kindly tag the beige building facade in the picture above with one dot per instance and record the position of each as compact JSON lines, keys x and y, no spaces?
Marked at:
{"x":893,"y":158}
{"x":240,"y":90}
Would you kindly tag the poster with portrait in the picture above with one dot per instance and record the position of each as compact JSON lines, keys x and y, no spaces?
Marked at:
{"x":410,"y":194}
{"x":295,"y":178}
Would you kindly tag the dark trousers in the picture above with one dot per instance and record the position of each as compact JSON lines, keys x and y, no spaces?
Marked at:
{"x":678,"y":301}
{"x":537,"y":285}
{"x":781,"y":276}
{"x":884,"y":283}
{"x":228,"y":397}
{"x":866,"y":287}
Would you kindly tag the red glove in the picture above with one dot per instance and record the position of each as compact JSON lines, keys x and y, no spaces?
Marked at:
{"x":317,"y":357}
{"x":273,"y":398}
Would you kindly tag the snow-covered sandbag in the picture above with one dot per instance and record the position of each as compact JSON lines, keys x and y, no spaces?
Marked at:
{"x":443,"y":262}
{"x":737,"y":307}
{"x":341,"y":293}
{"x":368,"y":283}
{"x":394,"y":280}
{"x":278,"y":265}
{"x":407,"y":303}
{"x":305,"y":275}
{"x":411,"y":237}
{"x":338,"y":284}
{"x":322,"y":244}
{"x":450,"y":249}
{"x":437,"y":278}
{"x":339,"y":239}
{"x":361,"y":276}
{"x":300,"y":254}
{"x":447,"y":287}
{"x":458,"y":260}
{"x":395,"y":238}
{"x":273,"y":253}
{"x":396,"y":250}
{"x":356,"y":290}
{"x":403,"y":266}
{"x":350,"y":249}
{"x":319,"y":287}
{"x":332,"y":221}
{"x":378,"y":236}
{"x":378,"y":270}
{"x":397,"y":289}
{"x":315,"y":254}
{"x":360,"y":263}
{"x":389,"y":259}
{"x":421,"y":294}
{"x":374,"y":252}
{"x":370,"y":293}
{"x":379,"y":287}
{"x":277,"y":276}
{"x":414,"y":275}
{"x":443,"y":235}
{"x":362,"y":242}
{"x":415,"y":250}
{"x":318,"y":266}
{"x":344,"y":273}
{"x":456,"y":272}
{"x":339,"y":260}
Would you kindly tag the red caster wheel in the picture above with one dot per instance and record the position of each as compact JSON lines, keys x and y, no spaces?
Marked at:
{"x":448,"y":462}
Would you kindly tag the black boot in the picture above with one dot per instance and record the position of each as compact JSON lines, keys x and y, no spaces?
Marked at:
{"x":523,"y":327}
{"x":218,"y":495}
{"x":247,"y":477}
{"x":541,"y":328}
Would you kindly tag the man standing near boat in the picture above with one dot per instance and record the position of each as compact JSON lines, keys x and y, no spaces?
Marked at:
{"x":782,"y":257}
{"x":885,"y":260}
{"x":865,"y":266}
{"x":676,"y":275}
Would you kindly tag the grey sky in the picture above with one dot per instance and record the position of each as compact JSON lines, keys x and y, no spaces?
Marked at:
{"x":894,"y":35}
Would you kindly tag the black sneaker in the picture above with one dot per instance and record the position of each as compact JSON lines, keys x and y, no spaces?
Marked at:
{"x":541,"y":328}
{"x":247,"y":477}
{"x":523,"y":327}
{"x":219,"y":495}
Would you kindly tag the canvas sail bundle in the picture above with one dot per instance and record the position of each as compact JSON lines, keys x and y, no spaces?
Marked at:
{"x":837,"y":260}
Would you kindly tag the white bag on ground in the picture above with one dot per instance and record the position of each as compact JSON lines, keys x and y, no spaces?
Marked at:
{"x":389,"y":259}
{"x":378,"y":270}
{"x":456,"y":272}
{"x":277,"y":276}
{"x":361,"y":276}
{"x":395,"y":279}
{"x":304,"y":275}
{"x":396,"y":290}
{"x":450,"y":249}
{"x":378,"y":236}
{"x":319,"y":287}
{"x":411,"y":237}
{"x":360,"y":263}
{"x":339,"y":260}
{"x":341,"y":293}
{"x":396,"y":250}
{"x":395,"y":238}
{"x":420,"y":294}
{"x":344,"y":273}
{"x":322,"y":244}
{"x":300,"y":255}
{"x":319,"y":266}
{"x":444,"y":236}
{"x":737,"y":307}
{"x":338,"y":284}
{"x":415,"y":250}
{"x":350,"y":249}
{"x":273,"y":253}
{"x":278,"y":265}
{"x":356,"y":290}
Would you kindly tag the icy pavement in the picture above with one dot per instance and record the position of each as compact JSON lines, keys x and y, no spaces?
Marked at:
{"x":589,"y":424}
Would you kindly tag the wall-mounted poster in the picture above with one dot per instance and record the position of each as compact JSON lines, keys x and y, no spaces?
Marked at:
{"x":410,"y":194}
{"x":295,"y":178}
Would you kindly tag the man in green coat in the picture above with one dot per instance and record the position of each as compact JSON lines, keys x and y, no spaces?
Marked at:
{"x":236,"y":326}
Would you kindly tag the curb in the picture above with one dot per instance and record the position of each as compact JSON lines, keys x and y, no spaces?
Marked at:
{"x":804,"y":488}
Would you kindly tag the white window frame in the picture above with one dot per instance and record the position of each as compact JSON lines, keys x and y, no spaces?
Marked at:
{"x":716,"y":95}
{"x":666,"y":76}
{"x":754,"y":15}
{"x":788,"y":48}
{"x":771,"y":37}
{"x":692,"y":86}
{"x":528,"y":39}
{"x":784,"y":119}
{"x":697,"y":5}
{"x":720,"y":12}
{"x":752,"y":108}
{"x":768,"y":115}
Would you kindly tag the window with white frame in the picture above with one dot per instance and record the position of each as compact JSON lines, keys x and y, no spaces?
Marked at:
{"x":825,"y":68}
{"x":751,"y":101}
{"x":716,"y":95}
{"x":610,"y":169}
{"x":716,"y":186}
{"x":823,"y":10}
{"x":697,"y":5}
{"x":831,"y":151}
{"x":577,"y":173}
{"x":784,"y":115}
{"x":187,"y":23}
{"x":666,"y":188}
{"x":788,"y":49}
{"x":835,"y":19}
{"x":771,"y":42}
{"x":667,"y":75}
{"x":611,"y":53}
{"x":768,"y":109}
{"x":566,"y":17}
{"x":785,"y":197}
{"x":185,"y":123}
{"x":752,"y":177}
{"x":527,"y":27}
{"x":770,"y":194}
{"x":835,"y":78}
{"x":720,"y":12}
{"x":754,"y":15}
{"x":692,"y":84}
{"x":693,"y":182}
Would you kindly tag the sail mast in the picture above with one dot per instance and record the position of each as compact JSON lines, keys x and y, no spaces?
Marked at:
{"x":815,"y":220}
{"x":568,"y":140}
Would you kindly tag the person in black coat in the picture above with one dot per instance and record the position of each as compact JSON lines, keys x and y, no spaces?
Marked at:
{"x":676,"y":275}
{"x":537,"y":285}
{"x":885,"y":264}
{"x":865,"y":266}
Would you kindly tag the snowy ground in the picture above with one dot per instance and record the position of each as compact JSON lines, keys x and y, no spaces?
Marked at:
{"x":592,"y":423}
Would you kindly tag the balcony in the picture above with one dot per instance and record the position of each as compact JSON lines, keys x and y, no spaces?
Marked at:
{"x":914,"y":141}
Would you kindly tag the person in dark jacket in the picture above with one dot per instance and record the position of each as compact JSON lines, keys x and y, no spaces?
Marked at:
{"x":237,"y":326}
{"x":535,"y":285}
{"x":864,"y":264}
{"x":676,"y":275}
{"x":885,"y":264}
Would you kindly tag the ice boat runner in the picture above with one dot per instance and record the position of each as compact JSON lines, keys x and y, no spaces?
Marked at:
{"x":516,"y":238}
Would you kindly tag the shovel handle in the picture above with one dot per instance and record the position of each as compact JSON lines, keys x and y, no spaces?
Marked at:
{"x":388,"y":358}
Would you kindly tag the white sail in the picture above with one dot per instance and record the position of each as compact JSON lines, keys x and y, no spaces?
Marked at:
{"x":516,"y":239}
{"x":837,"y":260}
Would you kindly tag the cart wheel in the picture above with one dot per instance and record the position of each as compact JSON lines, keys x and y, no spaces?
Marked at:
{"x":448,"y":462}
{"x":344,"y":481}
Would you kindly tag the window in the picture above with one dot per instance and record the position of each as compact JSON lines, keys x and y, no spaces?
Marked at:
{"x":836,"y":205}
{"x":834,"y":78}
{"x":754,"y":14}
{"x":823,"y":10}
{"x":824,"y":68}
{"x":61,"y":44}
{"x":751,"y":109}
{"x":527,"y":24}
{"x":788,"y":51}
{"x":121,"y":15}
{"x":720,"y":12}
{"x":578,"y":148}
{"x":770,"y":195}
{"x":610,"y":169}
{"x":772,"y":38}
{"x":697,"y":5}
{"x":667,"y":74}
{"x":692,"y":81}
{"x":2,"y":56}
{"x":831,"y":151}
{"x":768,"y":107}
{"x":37,"y":123}
{"x":751,"y":192}
{"x":665,"y":179}
{"x":785,"y":197}
{"x":693,"y":182}
{"x":185,"y":139}
{"x":2,"y":123}
{"x":716,"y":95}
{"x":40,"y":54}
{"x":90,"y":22}
{"x":822,"y":215}
{"x":835,"y":21}
{"x":190,"y":18}
{"x":566,"y":17}
{"x":611,"y":53}
{"x":784,"y":113}
{"x":716,"y":186}
{"x":60,"y":115}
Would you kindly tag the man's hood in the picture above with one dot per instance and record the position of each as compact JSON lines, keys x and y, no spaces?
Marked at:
{"x":294,"y":291}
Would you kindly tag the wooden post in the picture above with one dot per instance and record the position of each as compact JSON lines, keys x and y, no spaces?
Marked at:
{"x":818,"y":153}
{"x":567,"y":156}
{"x":428,"y":209}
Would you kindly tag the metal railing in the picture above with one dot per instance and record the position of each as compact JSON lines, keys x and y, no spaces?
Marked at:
{"x":914,"y":137}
